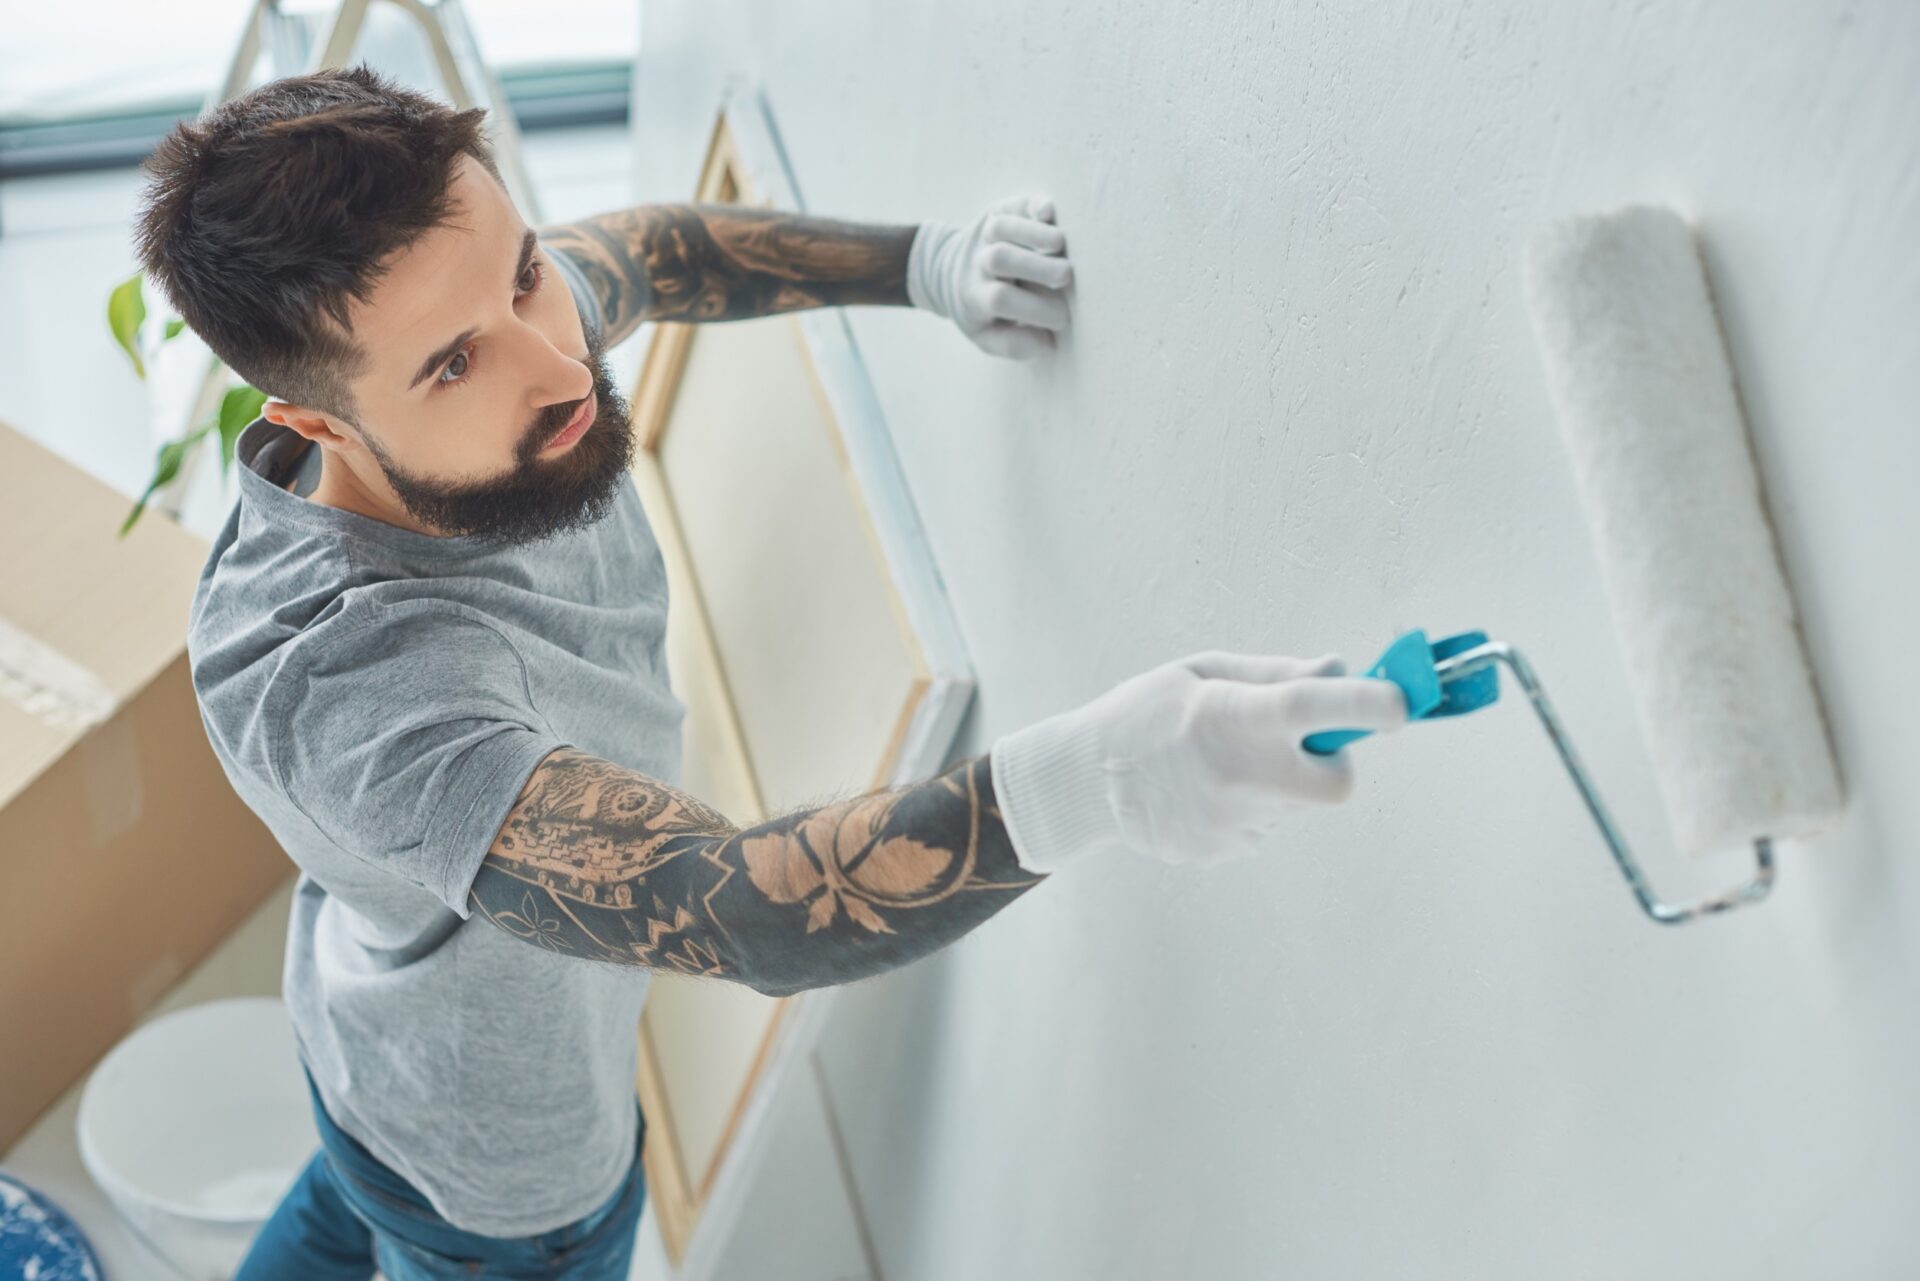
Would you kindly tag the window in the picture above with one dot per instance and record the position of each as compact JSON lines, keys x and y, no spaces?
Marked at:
{"x":83,"y":89}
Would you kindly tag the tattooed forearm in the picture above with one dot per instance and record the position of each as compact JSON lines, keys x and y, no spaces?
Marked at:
{"x":700,"y":262}
{"x":599,"y":861}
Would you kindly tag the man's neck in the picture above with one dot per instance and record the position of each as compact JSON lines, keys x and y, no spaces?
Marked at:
{"x":348,"y":497}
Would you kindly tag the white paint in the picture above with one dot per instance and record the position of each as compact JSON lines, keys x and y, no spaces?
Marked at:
{"x":1301,"y":409}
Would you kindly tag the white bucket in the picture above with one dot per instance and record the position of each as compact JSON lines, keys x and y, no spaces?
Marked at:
{"x":195,"y":1126}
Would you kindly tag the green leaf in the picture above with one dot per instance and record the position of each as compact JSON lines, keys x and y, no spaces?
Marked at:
{"x":166,"y":465}
{"x":126,"y":311}
{"x":240,"y":406}
{"x":174,"y":326}
{"x":139,"y":506}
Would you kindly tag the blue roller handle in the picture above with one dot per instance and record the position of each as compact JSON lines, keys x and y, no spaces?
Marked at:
{"x":1409,"y":663}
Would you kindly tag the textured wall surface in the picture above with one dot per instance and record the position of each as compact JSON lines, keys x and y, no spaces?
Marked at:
{"x":1301,"y":410}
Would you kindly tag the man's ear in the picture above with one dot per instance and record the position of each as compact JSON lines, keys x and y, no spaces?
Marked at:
{"x":311,"y":423}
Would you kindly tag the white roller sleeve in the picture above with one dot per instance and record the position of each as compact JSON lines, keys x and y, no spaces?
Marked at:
{"x":1644,"y":393}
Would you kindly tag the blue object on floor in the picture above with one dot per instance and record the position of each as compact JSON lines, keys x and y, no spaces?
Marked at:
{"x":39,"y":1241}
{"x":1409,"y":663}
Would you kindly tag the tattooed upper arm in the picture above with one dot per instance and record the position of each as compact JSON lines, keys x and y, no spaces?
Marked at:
{"x":581,"y":839}
{"x":599,"y":861}
{"x":706,"y":262}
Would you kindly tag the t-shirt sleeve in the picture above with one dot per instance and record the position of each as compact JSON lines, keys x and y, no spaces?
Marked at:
{"x":406,"y":740}
{"x":583,"y":297}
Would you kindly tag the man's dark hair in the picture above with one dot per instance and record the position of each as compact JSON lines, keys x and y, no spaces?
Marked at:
{"x":265,"y":215}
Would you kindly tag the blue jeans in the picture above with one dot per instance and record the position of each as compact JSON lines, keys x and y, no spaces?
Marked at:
{"x":347,"y":1213}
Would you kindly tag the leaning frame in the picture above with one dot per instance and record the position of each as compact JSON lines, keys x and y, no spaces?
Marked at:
{"x":745,"y":164}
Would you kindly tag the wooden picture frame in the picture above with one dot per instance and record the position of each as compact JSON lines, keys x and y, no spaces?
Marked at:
{"x":810,"y":637}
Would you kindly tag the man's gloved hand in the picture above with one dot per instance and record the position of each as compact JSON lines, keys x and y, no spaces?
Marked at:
{"x":1190,"y":762}
{"x":999,"y":277}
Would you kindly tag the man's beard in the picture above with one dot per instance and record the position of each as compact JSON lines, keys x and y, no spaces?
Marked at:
{"x":542,"y":496}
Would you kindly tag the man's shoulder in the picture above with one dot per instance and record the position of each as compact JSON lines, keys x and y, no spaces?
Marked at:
{"x":372,"y":618}
{"x":323,"y":688}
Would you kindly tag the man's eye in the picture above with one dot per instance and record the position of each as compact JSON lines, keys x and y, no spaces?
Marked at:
{"x":538,"y":271}
{"x":454,"y":382}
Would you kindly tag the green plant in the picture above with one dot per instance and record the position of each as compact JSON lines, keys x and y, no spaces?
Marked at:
{"x":126,"y":312}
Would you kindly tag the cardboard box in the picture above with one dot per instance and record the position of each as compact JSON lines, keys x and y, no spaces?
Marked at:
{"x":125,"y":855}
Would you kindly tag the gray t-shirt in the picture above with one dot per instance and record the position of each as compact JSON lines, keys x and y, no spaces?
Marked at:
{"x":379,"y":697}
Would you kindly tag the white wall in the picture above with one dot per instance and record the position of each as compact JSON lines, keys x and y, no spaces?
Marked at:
{"x":1301,"y":410}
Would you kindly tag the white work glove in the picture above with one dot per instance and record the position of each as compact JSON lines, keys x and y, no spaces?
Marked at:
{"x":1193,"y":761}
{"x":998,"y":278}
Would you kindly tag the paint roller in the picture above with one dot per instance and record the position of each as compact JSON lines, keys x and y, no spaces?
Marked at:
{"x":1644,"y":394}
